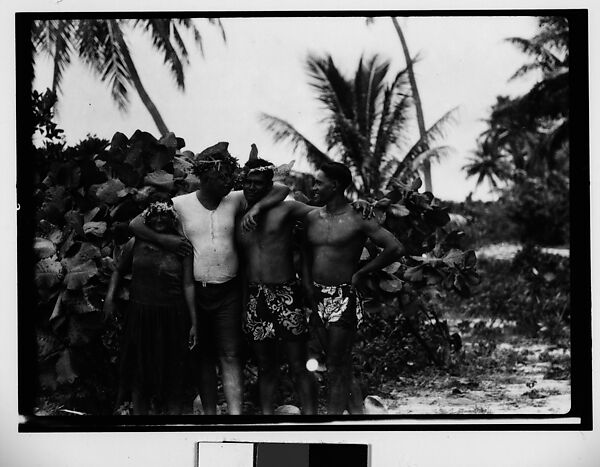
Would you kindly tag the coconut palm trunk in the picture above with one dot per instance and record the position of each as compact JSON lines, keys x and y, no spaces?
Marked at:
{"x":417,"y":101}
{"x":137,"y":82}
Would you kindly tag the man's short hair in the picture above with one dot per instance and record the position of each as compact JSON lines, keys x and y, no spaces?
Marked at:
{"x":337,"y":172}
{"x":259,"y":165}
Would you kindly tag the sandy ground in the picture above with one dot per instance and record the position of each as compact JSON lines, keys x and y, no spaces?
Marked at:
{"x":525,"y":390}
{"x":507,"y":251}
{"x":521,"y":388}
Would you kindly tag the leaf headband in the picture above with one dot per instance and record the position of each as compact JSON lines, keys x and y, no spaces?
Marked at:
{"x":228,"y":163}
{"x":278,"y":171}
{"x":264,"y":168}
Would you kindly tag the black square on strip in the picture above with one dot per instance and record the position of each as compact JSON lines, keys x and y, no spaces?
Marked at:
{"x":310,"y":455}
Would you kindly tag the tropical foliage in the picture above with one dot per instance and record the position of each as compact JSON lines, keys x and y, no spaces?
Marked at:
{"x":368,"y":117}
{"x":531,"y":132}
{"x":410,"y":290}
{"x":524,"y":152}
{"x":101,"y":44}
{"x":85,"y":197}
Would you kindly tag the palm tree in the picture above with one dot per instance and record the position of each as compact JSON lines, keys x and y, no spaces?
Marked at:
{"x":549,"y":48}
{"x":415,"y":94}
{"x":416,"y":99}
{"x":367,"y":118}
{"x":533,"y":130}
{"x":548,"y":101}
{"x":101,"y":44}
{"x":489,"y":164}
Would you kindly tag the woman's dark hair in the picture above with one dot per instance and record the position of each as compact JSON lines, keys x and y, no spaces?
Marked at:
{"x":337,"y":172}
{"x":258,"y":163}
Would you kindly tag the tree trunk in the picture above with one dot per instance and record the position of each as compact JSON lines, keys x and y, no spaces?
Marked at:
{"x":417,"y":100}
{"x":139,"y":87}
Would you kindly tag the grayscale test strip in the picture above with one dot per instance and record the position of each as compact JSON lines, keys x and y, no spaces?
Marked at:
{"x":282,"y":455}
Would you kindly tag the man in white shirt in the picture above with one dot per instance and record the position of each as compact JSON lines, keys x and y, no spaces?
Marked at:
{"x":208,"y":217}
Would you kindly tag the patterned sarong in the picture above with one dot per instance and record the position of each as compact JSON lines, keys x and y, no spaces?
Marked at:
{"x":339,"y":304}
{"x":275,"y":311}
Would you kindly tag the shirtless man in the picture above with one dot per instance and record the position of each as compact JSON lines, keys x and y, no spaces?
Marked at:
{"x":208,"y":218}
{"x":335,"y":238}
{"x":273,"y":310}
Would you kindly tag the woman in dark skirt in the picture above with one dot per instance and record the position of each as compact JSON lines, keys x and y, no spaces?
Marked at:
{"x":160,"y":323}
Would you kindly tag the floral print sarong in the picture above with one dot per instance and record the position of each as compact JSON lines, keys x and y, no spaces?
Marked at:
{"x":340,"y":304}
{"x":275,"y":311}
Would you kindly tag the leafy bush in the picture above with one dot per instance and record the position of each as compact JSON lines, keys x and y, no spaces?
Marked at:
{"x":486,"y":222}
{"x":533,"y":291}
{"x":540,"y":208}
{"x":84,"y":198}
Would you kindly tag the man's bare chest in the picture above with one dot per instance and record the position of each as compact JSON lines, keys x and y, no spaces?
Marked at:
{"x":333,"y":231}
{"x":272,"y":227}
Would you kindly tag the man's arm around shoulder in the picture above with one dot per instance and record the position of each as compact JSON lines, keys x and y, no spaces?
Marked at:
{"x":174,"y":243}
{"x":277,"y":194}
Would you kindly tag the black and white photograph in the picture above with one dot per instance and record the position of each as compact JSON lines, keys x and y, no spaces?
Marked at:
{"x":358,"y":216}
{"x":299,"y":234}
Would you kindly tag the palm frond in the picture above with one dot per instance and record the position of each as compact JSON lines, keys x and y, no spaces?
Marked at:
{"x":62,"y":54}
{"x":524,"y":70}
{"x":368,"y":86}
{"x":544,"y":58}
{"x":435,"y":132}
{"x":337,"y":94}
{"x":526,"y":46}
{"x":189,"y":25}
{"x":389,"y":166}
{"x":91,"y":35}
{"x":486,"y":166}
{"x":433,"y":154}
{"x":54,"y":38}
{"x":284,"y":131}
{"x":160,"y":32}
{"x":113,"y":67}
{"x":217,"y":22}
{"x":396,"y":132}
{"x":100,"y":46}
{"x":332,"y":89}
{"x":392,"y":123}
{"x":181,"y":45}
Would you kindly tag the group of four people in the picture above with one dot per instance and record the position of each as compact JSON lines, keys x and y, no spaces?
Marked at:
{"x":225,"y":262}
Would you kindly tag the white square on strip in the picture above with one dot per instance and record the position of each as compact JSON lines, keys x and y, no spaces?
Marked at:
{"x":225,"y":454}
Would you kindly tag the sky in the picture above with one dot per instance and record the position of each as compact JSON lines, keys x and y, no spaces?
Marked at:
{"x":464,"y":62}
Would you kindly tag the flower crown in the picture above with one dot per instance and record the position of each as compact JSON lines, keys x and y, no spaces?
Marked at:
{"x":159,"y":207}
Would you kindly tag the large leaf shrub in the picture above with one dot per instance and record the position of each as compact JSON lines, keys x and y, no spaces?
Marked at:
{"x":84,"y":198}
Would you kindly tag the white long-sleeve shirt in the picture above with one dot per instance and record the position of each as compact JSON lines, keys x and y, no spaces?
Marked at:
{"x":212,"y":234}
